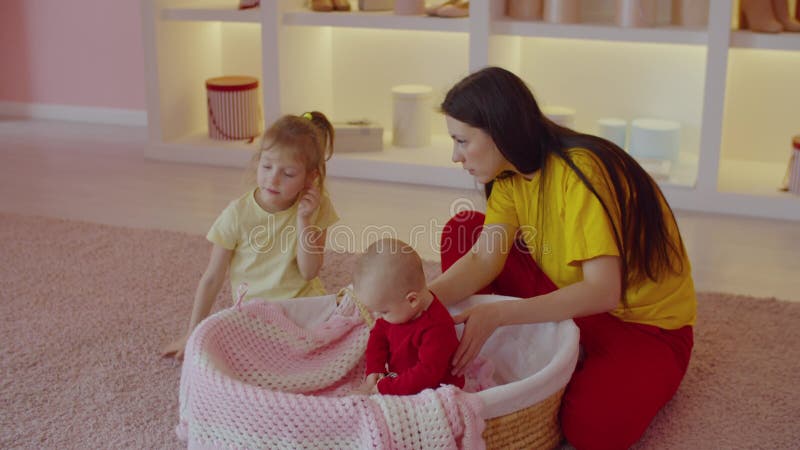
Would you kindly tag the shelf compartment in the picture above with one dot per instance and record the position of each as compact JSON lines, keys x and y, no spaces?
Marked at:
{"x":682,"y":174}
{"x":603,"y":32}
{"x":781,"y":41}
{"x":198,"y":148}
{"x":430,"y":165}
{"x":376,"y":20}
{"x":211,"y":11}
{"x":757,"y":178}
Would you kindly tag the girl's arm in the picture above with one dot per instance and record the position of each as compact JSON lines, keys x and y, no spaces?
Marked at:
{"x":310,"y":250}
{"x":478,"y":267}
{"x":599,"y":291}
{"x":310,"y":238}
{"x":207,"y":290}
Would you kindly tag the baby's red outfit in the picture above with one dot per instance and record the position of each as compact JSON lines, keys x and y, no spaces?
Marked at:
{"x":418,"y":351}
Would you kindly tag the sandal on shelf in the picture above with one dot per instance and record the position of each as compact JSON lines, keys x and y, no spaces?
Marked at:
{"x":458,"y":9}
{"x":450,"y":8}
{"x":431,"y":10}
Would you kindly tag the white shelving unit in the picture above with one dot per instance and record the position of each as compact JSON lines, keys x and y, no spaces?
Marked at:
{"x":344,"y":63}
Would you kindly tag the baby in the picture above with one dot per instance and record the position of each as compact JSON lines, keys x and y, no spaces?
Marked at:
{"x":412,"y":343}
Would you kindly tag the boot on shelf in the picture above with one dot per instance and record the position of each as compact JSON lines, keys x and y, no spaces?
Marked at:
{"x":781,"y":9}
{"x":758,"y":16}
{"x":341,"y":5}
{"x":322,"y":5}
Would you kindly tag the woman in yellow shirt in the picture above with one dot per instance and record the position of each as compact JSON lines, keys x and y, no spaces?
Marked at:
{"x":577,"y":230}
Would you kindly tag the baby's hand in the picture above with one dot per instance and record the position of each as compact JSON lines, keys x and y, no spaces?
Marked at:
{"x":309,"y":202}
{"x":370,"y":385}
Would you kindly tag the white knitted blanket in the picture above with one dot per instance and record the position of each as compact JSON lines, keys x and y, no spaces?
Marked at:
{"x":253,"y":378}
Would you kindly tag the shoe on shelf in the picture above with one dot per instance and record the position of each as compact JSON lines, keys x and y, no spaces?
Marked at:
{"x":431,"y":10}
{"x":341,"y":5}
{"x":455,"y":9}
{"x":781,"y":9}
{"x":758,"y":16}
{"x":322,"y":5}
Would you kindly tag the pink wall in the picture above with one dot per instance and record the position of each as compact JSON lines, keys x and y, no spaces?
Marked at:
{"x":72,"y":52}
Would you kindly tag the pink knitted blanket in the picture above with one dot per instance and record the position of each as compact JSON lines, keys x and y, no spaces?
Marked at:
{"x":253,"y":378}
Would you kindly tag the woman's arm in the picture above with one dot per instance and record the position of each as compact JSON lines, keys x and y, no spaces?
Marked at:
{"x":478,"y":267}
{"x":599,"y":291}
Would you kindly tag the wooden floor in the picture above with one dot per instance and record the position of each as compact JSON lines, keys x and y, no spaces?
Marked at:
{"x":97,"y":173}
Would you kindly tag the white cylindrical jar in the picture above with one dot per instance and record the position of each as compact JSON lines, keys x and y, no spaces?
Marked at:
{"x":411,"y":123}
{"x":561,"y":115}
{"x":655,"y":139}
{"x":614,"y":130}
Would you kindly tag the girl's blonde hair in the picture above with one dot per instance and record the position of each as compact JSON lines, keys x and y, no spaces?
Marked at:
{"x":308,"y":137}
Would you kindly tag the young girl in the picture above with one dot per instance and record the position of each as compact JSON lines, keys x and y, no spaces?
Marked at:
{"x":598,"y":244}
{"x":273,"y":237}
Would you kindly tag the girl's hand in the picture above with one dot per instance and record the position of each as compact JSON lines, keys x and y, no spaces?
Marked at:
{"x":309,"y":202}
{"x":479,"y":323}
{"x":175,"y":349}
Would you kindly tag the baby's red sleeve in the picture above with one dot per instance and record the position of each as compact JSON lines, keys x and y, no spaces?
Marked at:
{"x":377,"y":354}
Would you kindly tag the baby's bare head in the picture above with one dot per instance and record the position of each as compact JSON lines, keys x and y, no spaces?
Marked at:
{"x":389,"y":269}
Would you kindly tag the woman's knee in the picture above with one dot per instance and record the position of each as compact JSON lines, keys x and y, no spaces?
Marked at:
{"x":588,"y":425}
{"x":458,"y":236}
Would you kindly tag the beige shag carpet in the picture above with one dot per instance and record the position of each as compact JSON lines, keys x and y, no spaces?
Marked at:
{"x":84,"y":309}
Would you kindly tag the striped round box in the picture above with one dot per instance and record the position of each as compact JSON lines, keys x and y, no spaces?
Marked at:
{"x":794,"y":167}
{"x":234,"y":108}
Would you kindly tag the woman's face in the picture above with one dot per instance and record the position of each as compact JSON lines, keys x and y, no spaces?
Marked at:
{"x":476,"y":151}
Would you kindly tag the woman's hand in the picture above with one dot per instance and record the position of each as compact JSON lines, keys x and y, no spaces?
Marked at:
{"x":479,"y":323}
{"x":309,"y":202}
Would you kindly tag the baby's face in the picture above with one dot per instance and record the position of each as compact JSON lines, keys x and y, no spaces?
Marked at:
{"x":390,"y":305}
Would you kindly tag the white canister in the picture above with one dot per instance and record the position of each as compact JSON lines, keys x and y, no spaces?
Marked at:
{"x":561,"y":11}
{"x":655,"y":139}
{"x":614,"y":130}
{"x":411,"y":123}
{"x":794,"y":167}
{"x":636,"y":13}
{"x":561,"y":115}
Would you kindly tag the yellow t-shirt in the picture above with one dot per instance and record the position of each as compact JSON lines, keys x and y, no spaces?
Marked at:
{"x":264,"y":248}
{"x":575,"y":228}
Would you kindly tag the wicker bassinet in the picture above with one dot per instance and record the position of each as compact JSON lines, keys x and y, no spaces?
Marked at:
{"x":532,"y":365}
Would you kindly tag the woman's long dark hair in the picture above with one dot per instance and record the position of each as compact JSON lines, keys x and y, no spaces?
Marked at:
{"x":498,"y":102}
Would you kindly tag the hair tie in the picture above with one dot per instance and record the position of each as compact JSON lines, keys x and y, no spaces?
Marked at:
{"x":308,"y":116}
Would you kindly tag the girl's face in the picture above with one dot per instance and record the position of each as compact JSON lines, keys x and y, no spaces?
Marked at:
{"x":281,"y":177}
{"x":476,"y":151}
